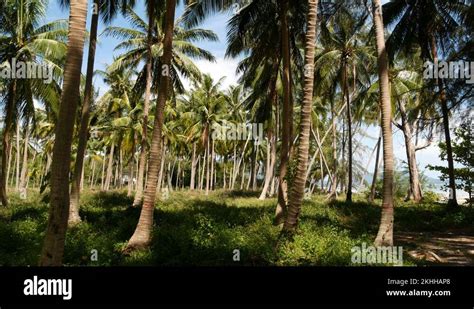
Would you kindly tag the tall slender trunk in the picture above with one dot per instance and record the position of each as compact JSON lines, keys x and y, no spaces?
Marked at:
{"x":193,"y":168}
{"x":6,"y":145}
{"x":92,"y":182}
{"x":8,"y":168}
{"x":271,"y":150}
{"x":452,"y":200}
{"x":254,"y":167}
{"x":142,"y":236}
{"x":162,"y":168}
{"x":349,"y":135}
{"x":83,"y":134}
{"x":242,"y":179}
{"x":24,"y":165}
{"x":299,"y":182}
{"x":102,"y":178}
{"x":287,"y":118}
{"x":110,"y":165}
{"x":211,"y":185}
{"x":385,"y":233}
{"x":18,"y":155}
{"x":234,"y":168}
{"x":333,"y":193}
{"x":414,"y":192}
{"x":199,"y":174}
{"x":53,"y":247}
{"x":376,"y":170}
{"x":146,"y":106}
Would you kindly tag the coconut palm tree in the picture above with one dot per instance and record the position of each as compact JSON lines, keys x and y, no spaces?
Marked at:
{"x":385,"y":233}
{"x":429,"y":25}
{"x":142,"y":236}
{"x":53,"y":247}
{"x":299,"y":182}
{"x":107,"y":9}
{"x":23,"y":39}
{"x":346,"y":60}
{"x":146,"y":44}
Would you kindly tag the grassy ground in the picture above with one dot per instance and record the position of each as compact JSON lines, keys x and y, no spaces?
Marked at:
{"x":191,"y":229}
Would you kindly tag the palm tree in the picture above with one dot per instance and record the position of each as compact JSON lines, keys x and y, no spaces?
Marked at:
{"x":207,"y":109}
{"x":428,"y":24}
{"x":299,"y":182}
{"x":23,"y":39}
{"x":345,"y":60}
{"x":53,"y":247}
{"x":385,"y":233}
{"x":107,"y":9}
{"x":142,"y":236}
{"x":146,"y":43}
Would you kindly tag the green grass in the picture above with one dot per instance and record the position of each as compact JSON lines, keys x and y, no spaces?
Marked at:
{"x":191,"y":229}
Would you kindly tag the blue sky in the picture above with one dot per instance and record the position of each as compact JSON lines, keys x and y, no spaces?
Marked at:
{"x":226,"y":67}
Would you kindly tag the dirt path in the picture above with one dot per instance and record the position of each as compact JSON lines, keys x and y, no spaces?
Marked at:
{"x":448,"y":248}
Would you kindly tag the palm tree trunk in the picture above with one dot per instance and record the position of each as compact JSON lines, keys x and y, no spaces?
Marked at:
{"x":452,"y":200}
{"x":333,"y":193}
{"x":83,"y":134}
{"x":414,"y":191}
{"x":242,"y":179}
{"x":142,"y":236}
{"x":92,"y":182}
{"x":385,"y":233}
{"x":53,"y":247}
{"x":146,"y":106}
{"x":130,"y":177}
{"x":102,"y":178}
{"x":9,"y":166}
{"x":376,"y":170}
{"x":349,"y":136}
{"x":297,"y":190}
{"x":18,"y":155}
{"x":212,"y":164}
{"x":199,"y":174}
{"x":286,"y":119}
{"x":234,"y":168}
{"x":6,"y":145}
{"x":193,"y":168}
{"x":162,"y":168}
{"x":24,"y":165}
{"x":271,"y":150}
{"x":110,"y":165}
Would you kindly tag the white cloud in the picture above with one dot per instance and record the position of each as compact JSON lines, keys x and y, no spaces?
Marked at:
{"x":223,"y":67}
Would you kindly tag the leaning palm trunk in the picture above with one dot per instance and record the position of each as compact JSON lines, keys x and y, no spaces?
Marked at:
{"x":286,"y":117}
{"x":53,"y":248}
{"x":297,"y":189}
{"x":74,"y":217}
{"x":6,"y":142}
{"x":415,"y":188}
{"x":142,"y":236}
{"x":146,"y":106}
{"x":385,"y":233}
